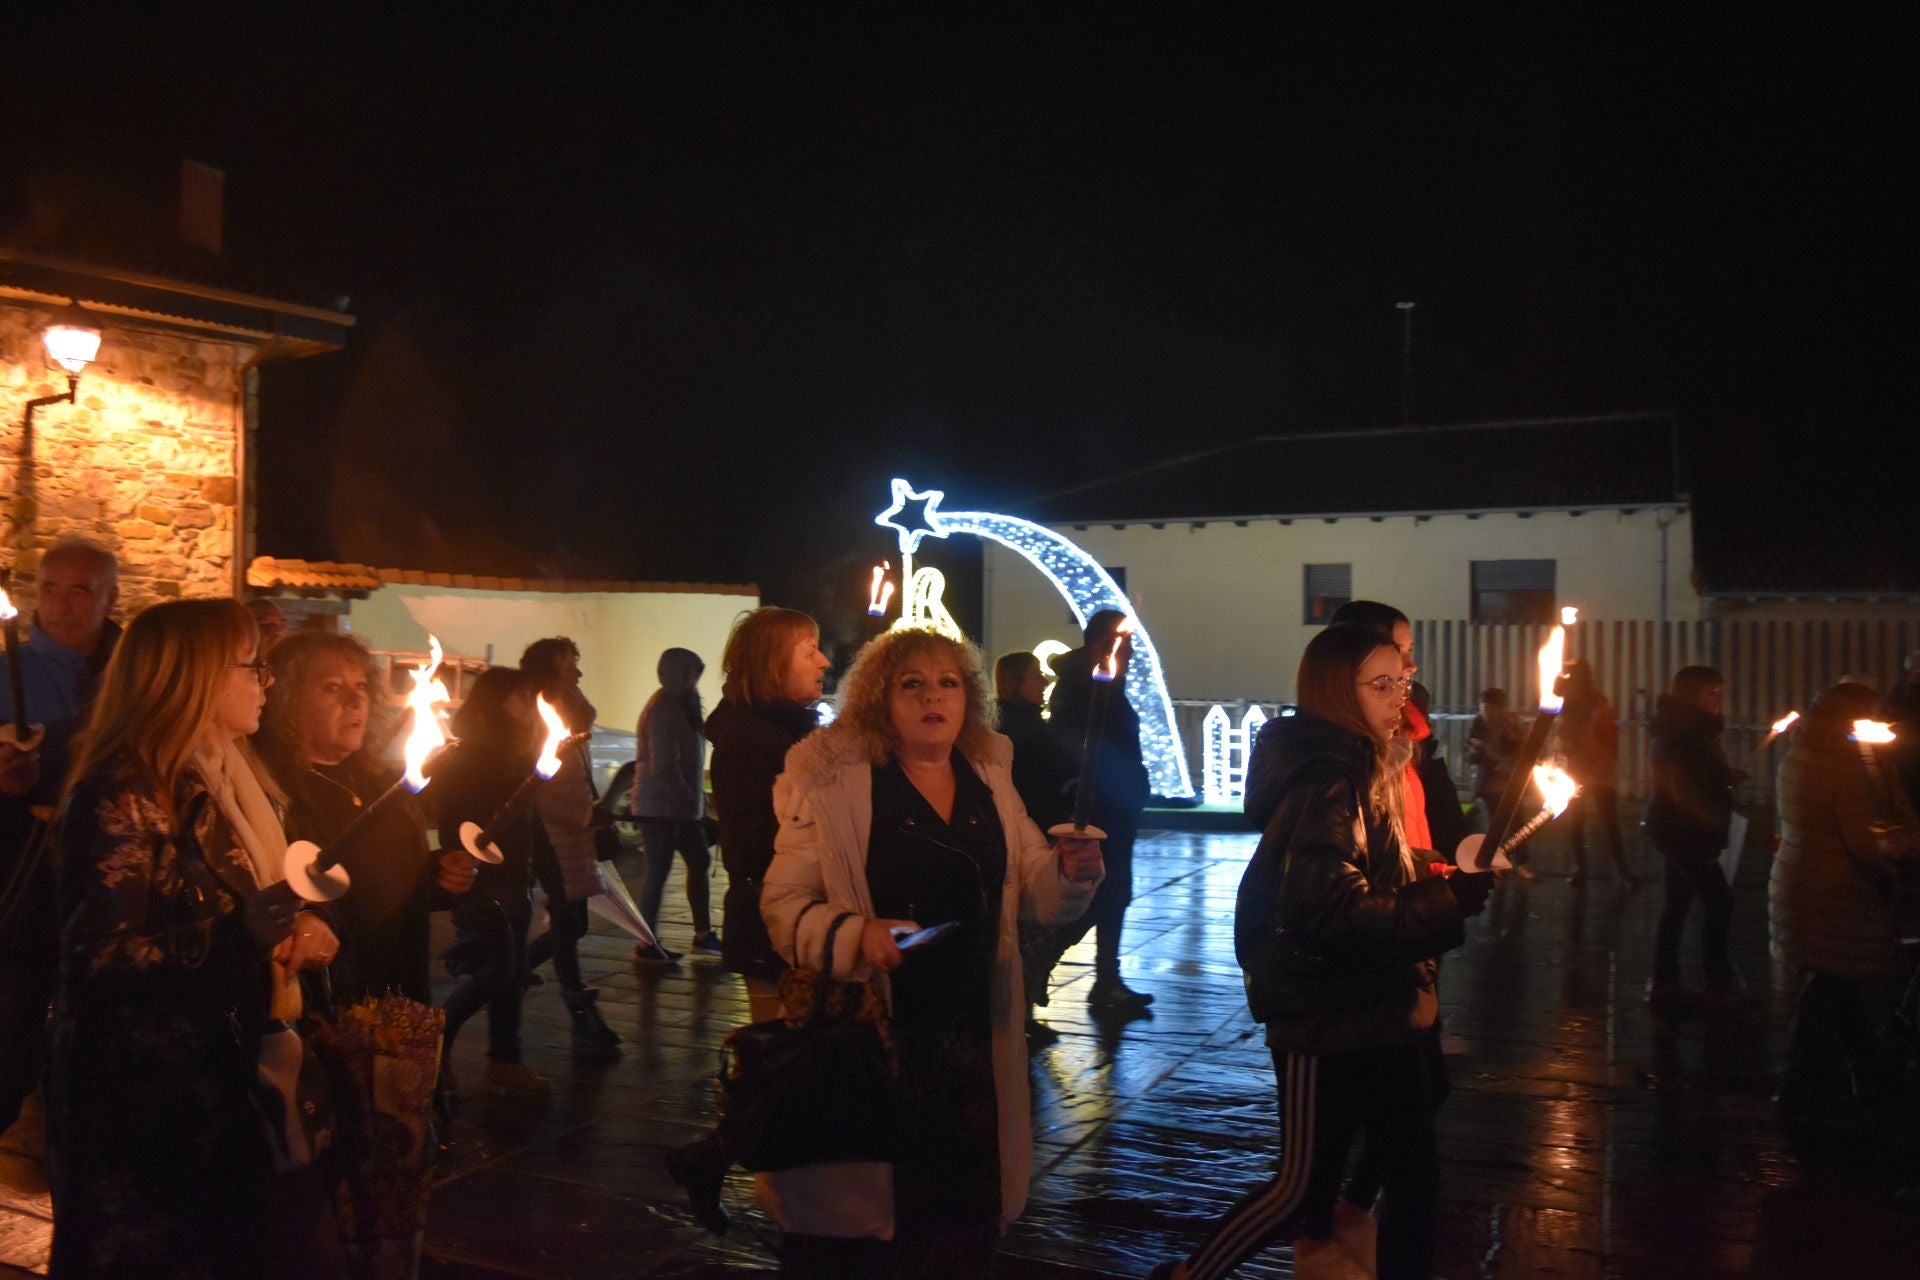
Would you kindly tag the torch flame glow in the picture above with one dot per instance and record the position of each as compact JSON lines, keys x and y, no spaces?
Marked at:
{"x":881,"y":593}
{"x":549,"y":762}
{"x":1785,"y":723}
{"x":1109,"y":668}
{"x":1873,"y":732}
{"x":1552,"y":661}
{"x":1557,"y":787}
{"x":7,"y":612}
{"x":426,"y":736}
{"x":1569,"y":615}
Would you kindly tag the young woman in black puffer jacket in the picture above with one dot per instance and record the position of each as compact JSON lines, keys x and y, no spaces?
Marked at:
{"x":1337,"y":930}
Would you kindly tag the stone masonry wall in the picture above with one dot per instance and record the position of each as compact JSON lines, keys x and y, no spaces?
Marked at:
{"x":144,"y":463}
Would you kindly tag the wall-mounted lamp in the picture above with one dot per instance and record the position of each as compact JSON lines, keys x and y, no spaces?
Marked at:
{"x":72,"y":341}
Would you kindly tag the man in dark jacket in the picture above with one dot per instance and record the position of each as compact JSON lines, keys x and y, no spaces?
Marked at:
{"x":68,"y":643}
{"x":1119,"y":794}
{"x":1687,"y":816}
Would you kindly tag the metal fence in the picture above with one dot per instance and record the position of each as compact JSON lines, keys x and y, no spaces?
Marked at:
{"x":1771,"y":667}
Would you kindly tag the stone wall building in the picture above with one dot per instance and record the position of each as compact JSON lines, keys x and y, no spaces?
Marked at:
{"x":152,"y":456}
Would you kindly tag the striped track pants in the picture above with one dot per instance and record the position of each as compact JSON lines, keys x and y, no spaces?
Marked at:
{"x":1274,"y":1212}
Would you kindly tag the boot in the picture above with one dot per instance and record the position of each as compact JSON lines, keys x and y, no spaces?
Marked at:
{"x":700,"y":1167}
{"x":590,"y":1030}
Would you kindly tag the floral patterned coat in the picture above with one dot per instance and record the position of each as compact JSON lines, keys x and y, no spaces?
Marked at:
{"x":158,"y":1149}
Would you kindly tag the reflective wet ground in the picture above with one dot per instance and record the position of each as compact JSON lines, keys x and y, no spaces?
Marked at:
{"x":1583,"y":1137}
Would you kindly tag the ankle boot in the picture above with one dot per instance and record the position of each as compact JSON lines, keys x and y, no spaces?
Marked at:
{"x":590,"y":1030}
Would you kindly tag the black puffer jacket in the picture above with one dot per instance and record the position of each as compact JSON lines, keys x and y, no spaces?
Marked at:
{"x":1338,"y":946}
{"x":1692,"y":798}
{"x":750,"y":743}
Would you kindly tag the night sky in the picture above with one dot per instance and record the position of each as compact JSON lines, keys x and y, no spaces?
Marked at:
{"x":671,"y":298}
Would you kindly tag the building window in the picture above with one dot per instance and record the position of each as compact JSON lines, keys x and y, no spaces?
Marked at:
{"x":1513,"y":591}
{"x":1328,"y":586}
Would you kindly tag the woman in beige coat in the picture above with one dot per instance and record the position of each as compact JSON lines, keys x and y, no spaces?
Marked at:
{"x":903,"y":813}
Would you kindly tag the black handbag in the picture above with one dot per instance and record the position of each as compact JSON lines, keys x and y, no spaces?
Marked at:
{"x":824,"y":1092}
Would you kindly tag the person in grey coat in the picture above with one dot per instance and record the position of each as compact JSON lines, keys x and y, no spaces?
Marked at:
{"x":669,"y":793}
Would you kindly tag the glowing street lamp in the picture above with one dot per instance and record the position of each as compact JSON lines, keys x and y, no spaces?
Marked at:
{"x":73,"y":342}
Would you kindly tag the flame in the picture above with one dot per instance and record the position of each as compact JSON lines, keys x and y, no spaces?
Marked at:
{"x":1872,"y":732}
{"x":1784,"y":723}
{"x":424,"y":700}
{"x":880,"y":595}
{"x":7,"y":612}
{"x":1557,"y":787}
{"x":1109,"y":668}
{"x":1569,"y":615}
{"x":549,"y":762}
{"x":1552,"y":662}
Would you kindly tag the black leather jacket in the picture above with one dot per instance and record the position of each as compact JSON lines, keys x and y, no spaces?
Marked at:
{"x":1337,"y":944}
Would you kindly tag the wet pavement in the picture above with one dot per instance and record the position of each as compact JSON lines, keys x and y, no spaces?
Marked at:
{"x":1583,"y":1138}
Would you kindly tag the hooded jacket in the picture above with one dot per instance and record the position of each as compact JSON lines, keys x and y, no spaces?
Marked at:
{"x":669,"y":767}
{"x":1830,"y":896}
{"x":1691,"y":802}
{"x":1336,"y":942}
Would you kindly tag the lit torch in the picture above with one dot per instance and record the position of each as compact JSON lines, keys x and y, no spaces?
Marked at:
{"x":17,"y":734}
{"x":1569,"y":615}
{"x":479,"y":840}
{"x":315,"y":874}
{"x":1778,"y":727}
{"x":880,"y":595}
{"x":1105,"y":673}
{"x":1552,"y":662}
{"x":1866,"y":735}
{"x":1557,"y":790}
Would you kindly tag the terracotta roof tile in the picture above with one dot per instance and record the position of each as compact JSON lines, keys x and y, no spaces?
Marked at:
{"x":268,"y":573}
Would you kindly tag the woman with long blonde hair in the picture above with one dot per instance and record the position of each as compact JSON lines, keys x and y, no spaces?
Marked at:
{"x":182,"y":1127}
{"x":1338,"y":931}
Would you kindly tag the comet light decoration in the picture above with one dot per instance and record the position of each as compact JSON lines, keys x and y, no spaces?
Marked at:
{"x":1087,"y":588}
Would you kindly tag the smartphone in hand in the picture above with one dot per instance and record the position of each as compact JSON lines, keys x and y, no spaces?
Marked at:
{"x":908,"y":939}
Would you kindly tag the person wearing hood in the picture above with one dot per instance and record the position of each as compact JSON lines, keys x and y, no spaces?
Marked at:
{"x":1337,"y":928}
{"x":1830,"y":898}
{"x":1686,"y":816}
{"x":902,"y":815}
{"x":669,"y":794}
{"x":772,"y":674}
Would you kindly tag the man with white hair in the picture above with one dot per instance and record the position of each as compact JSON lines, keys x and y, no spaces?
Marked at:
{"x":67,"y":646}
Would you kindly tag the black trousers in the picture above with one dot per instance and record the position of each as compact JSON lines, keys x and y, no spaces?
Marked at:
{"x":1694,"y":875}
{"x":1107,"y":913}
{"x":662,"y":838}
{"x":1327,"y":1100}
{"x":494,"y":985}
{"x":566,"y":925}
{"x":1599,"y":803}
{"x":1833,"y":1018}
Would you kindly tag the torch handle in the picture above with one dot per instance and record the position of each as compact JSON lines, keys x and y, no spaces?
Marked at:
{"x":1521,"y":836}
{"x":513,"y":805}
{"x":1520,"y":778}
{"x":329,"y":858}
{"x":1876,"y":785}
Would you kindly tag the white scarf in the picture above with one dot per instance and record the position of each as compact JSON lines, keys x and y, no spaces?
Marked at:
{"x":244,"y":804}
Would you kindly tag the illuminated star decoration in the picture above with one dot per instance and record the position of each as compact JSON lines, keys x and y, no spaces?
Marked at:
{"x":923,"y":590}
{"x":1087,"y":587}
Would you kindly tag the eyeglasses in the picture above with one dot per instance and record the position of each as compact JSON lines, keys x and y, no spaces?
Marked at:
{"x":262,"y":670}
{"x":1387,"y":686}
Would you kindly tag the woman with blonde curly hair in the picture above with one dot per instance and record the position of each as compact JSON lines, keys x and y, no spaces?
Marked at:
{"x":903,"y":814}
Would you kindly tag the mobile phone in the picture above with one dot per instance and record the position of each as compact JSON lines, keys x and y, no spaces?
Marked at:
{"x":907,"y":939}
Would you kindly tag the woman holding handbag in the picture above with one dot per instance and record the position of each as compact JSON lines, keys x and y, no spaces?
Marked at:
{"x":903,"y":814}
{"x":183,"y":1126}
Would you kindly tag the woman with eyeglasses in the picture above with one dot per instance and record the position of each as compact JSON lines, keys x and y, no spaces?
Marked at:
{"x":1338,"y":931}
{"x":184,"y":1116}
{"x":903,"y":814}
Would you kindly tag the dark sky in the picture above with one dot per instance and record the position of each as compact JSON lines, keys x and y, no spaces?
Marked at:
{"x":671,"y":298}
